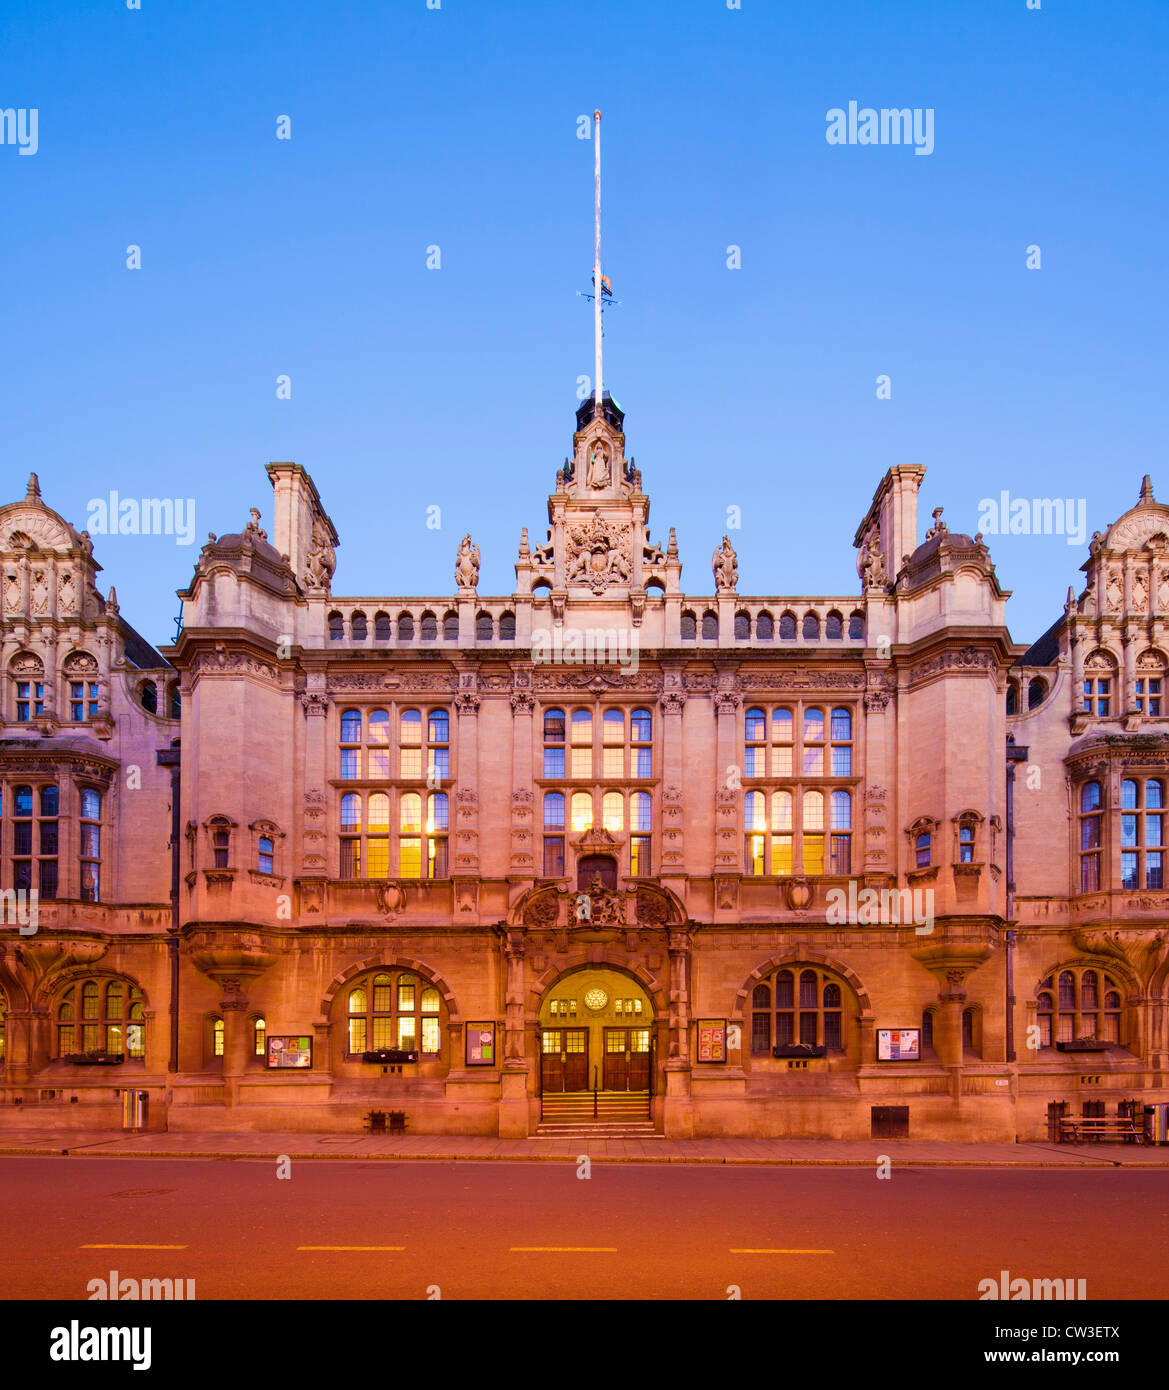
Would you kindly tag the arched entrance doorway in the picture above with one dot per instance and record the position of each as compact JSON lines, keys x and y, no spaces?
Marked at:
{"x":596,"y":1045}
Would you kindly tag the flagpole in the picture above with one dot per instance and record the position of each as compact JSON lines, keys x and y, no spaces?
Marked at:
{"x":597,"y":287}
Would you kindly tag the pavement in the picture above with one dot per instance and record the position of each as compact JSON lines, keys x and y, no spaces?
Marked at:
{"x":856,"y":1153}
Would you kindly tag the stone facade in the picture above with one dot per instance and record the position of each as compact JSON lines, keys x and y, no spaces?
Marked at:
{"x":600,"y":832}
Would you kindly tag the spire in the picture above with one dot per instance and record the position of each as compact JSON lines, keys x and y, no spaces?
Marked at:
{"x":597,"y":282}
{"x":34,"y":487}
{"x":1147,"y":490}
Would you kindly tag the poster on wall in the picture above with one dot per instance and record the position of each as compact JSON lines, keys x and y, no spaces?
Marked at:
{"x":898,"y":1044}
{"x":290,"y":1052}
{"x":712,"y":1040}
{"x":480,"y":1044}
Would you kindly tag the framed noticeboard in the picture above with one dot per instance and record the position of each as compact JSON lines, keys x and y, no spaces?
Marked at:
{"x":712,"y":1040}
{"x":290,"y":1052}
{"x":480,"y":1044}
{"x":898,"y":1044}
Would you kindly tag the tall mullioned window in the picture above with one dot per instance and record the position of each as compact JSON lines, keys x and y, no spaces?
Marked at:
{"x":1142,"y":804}
{"x":90,"y":807}
{"x":611,"y":749}
{"x":82,"y":701}
{"x":797,"y":828}
{"x":35,"y":837}
{"x":1091,"y":836}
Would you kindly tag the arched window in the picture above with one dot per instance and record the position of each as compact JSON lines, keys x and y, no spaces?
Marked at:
{"x":553,"y":834}
{"x":1082,"y":1003}
{"x":813,"y":742}
{"x":394,"y":1010}
{"x":1142,"y":804}
{"x":798,"y":1005}
{"x":336,"y":627}
{"x":787,"y":627}
{"x":1148,"y":687}
{"x":582,"y":743}
{"x":450,"y":627}
{"x":755,"y":826}
{"x":613,"y":744}
{"x":437,"y":835}
{"x":410,"y":835}
{"x":971,"y":1043}
{"x":410,"y":743}
{"x":405,"y":627}
{"x":30,"y":691}
{"x":613,"y":811}
{"x":709,"y":626}
{"x":1098,"y":685}
{"x":357,"y":627}
{"x":218,"y":1037}
{"x":755,"y":735}
{"x":1012,"y":697}
{"x":1036,"y":691}
{"x":641,"y":743}
{"x":429,"y":627}
{"x":840,"y":733}
{"x":764,"y":627}
{"x":856,"y":627}
{"x":927,"y":1031}
{"x":101,"y":1017}
{"x":921,"y":847}
{"x":259,"y":1037}
{"x":148,"y":697}
{"x":742,"y":627}
{"x":811,"y":627}
{"x":554,"y":743}
{"x":507,"y":627}
{"x":83,"y":693}
{"x":484,"y":628}
{"x":381,"y":627}
{"x":689,"y":627}
{"x":1091,"y":836}
{"x":582,"y":811}
{"x":176,"y":701}
{"x":834,"y":626}
{"x":90,"y":845}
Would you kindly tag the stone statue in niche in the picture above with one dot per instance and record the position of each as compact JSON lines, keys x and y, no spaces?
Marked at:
{"x":600,"y":470}
{"x":322,"y":558}
{"x":467,"y":564}
{"x":725,"y":564}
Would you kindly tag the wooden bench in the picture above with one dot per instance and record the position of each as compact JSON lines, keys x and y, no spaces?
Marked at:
{"x":1074,"y":1128}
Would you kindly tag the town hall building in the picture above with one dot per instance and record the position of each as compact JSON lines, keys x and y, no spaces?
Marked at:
{"x":611,"y":852}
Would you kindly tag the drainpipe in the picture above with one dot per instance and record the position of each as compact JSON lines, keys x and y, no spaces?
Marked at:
{"x":1015,"y":755}
{"x":169,"y":757}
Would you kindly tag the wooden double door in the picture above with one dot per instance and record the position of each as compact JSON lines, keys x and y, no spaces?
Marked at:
{"x":624,"y":1059}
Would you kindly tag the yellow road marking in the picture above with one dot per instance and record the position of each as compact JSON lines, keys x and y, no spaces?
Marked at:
{"x":131,"y":1247}
{"x":562,"y":1250}
{"x":351,"y":1247}
{"x":748,"y":1251}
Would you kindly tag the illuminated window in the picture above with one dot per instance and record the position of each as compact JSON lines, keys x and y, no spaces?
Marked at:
{"x":217,"y":1037}
{"x":582,"y":811}
{"x":582,"y":743}
{"x":101,"y":1016}
{"x":554,"y":743}
{"x":553,"y":834}
{"x":259,"y":1037}
{"x":410,"y":743}
{"x":394,"y":1011}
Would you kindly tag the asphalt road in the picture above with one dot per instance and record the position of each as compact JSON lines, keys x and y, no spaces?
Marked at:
{"x":494,"y":1230}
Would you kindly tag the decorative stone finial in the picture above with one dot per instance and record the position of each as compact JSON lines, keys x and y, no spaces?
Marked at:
{"x":1146,"y":489}
{"x":524,"y":547}
{"x":112,"y":601}
{"x":34,"y":487}
{"x":672,"y":547}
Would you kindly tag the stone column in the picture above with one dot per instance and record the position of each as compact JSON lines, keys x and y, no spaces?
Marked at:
{"x":513,"y":1080}
{"x":526,"y":848}
{"x":671,"y":705}
{"x":234,"y":1007}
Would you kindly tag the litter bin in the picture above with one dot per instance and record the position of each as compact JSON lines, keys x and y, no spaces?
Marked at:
{"x":135,"y":1105}
{"x":1157,"y":1123}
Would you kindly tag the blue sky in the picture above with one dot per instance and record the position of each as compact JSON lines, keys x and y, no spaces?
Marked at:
{"x":456,"y":387}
